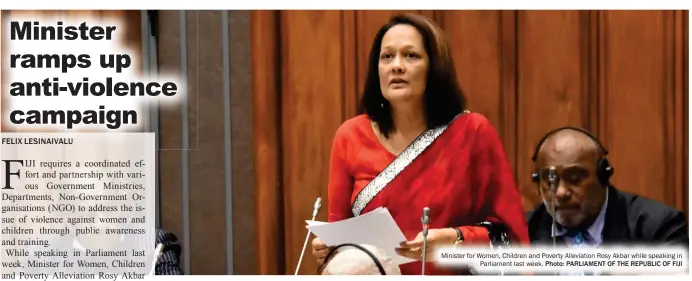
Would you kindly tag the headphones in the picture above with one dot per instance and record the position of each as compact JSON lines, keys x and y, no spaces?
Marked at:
{"x":603,"y":168}
{"x":372,"y":256}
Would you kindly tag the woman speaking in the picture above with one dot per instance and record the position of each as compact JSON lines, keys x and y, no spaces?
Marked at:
{"x":416,"y":146}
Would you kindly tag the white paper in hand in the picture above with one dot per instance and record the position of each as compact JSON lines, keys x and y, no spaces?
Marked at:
{"x":311,"y":223}
{"x":376,"y":228}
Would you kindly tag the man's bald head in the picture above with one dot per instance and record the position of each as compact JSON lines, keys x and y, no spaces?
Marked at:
{"x":579,"y":195}
{"x":569,"y":144}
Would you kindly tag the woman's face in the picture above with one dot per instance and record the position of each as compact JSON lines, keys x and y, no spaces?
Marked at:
{"x":403,"y":66}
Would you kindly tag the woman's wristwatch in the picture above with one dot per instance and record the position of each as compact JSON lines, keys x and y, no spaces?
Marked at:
{"x":460,"y":237}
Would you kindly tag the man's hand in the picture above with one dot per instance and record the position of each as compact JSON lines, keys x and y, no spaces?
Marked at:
{"x":436,"y":237}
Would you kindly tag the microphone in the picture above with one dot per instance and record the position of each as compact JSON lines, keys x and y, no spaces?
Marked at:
{"x":425,"y":219}
{"x":315,"y":211}
{"x":552,"y":180}
{"x":316,"y":207}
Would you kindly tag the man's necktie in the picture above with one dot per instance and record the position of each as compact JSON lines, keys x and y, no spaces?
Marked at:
{"x":578,"y":241}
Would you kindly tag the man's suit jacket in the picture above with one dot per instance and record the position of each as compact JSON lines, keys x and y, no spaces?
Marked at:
{"x":169,"y":262}
{"x":629,"y":219}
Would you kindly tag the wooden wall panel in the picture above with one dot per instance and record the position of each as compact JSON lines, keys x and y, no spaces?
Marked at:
{"x":241,"y":135}
{"x":476,"y":36}
{"x":170,"y":118}
{"x":311,"y":105}
{"x":677,"y":19}
{"x":685,"y":102}
{"x":681,"y":67}
{"x":552,"y":83}
{"x":483,"y":48}
{"x":640,"y":112}
{"x":206,"y":195}
{"x":266,"y":73}
{"x":207,"y":143}
{"x":350,"y":50}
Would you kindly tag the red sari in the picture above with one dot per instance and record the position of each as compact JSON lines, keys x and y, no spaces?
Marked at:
{"x":463,"y":177}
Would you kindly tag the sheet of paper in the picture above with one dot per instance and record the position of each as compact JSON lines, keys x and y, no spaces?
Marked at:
{"x":376,"y":228}
{"x":311,"y":223}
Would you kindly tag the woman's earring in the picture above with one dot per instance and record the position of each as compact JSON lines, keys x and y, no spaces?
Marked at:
{"x":381,"y":105}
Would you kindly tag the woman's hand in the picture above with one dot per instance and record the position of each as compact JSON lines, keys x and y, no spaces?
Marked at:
{"x":319,"y":250}
{"x":436,"y":237}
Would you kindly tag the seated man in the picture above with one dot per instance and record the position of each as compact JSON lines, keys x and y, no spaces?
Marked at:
{"x":351,"y":259}
{"x":169,"y":261}
{"x":588,"y":210}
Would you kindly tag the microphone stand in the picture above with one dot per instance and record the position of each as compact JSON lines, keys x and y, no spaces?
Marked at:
{"x":552,"y":179}
{"x":426,"y":222}
{"x":315,"y":211}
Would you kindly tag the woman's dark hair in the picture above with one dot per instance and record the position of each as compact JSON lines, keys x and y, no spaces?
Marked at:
{"x":443,"y":96}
